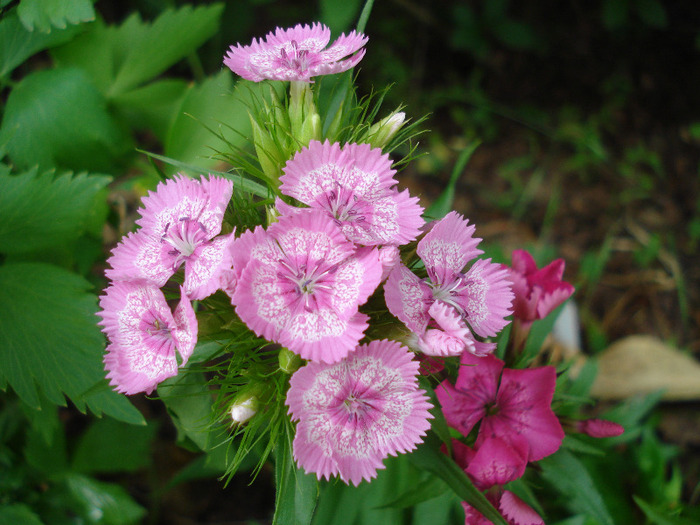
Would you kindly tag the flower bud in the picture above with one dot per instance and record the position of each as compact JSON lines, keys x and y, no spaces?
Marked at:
{"x":289,"y":361}
{"x":386,"y":129}
{"x":244,"y":407}
{"x":599,"y":428}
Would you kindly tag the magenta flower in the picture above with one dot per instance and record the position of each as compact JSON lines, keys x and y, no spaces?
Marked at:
{"x":537,"y":292}
{"x":492,"y":465}
{"x":355,"y":186}
{"x":144,"y":336}
{"x":180,"y":223}
{"x":599,"y":428}
{"x":298,"y":53}
{"x":355,"y":413}
{"x":512,"y":405}
{"x":450,"y":300}
{"x":301,"y":284}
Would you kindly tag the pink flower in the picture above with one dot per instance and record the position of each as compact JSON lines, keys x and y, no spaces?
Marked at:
{"x":444,"y":309}
{"x":599,"y":428}
{"x":516,"y":410}
{"x":537,"y":292}
{"x":296,"y":54}
{"x":301,"y":284}
{"x":179,"y":223}
{"x":355,"y":186}
{"x":144,"y":335}
{"x":355,"y":413}
{"x":495,"y":463}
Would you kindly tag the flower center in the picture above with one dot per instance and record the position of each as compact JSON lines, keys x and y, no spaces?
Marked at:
{"x":447,"y":292}
{"x":296,"y":59}
{"x":184,"y":236}
{"x":307,"y":279}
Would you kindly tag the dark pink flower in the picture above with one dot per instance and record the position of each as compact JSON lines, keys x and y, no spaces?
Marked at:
{"x":354,"y":413}
{"x":537,"y":292}
{"x":599,"y":428}
{"x":180,"y":224}
{"x":298,"y":53}
{"x":512,"y":405}
{"x":355,"y":186}
{"x":301,"y":283}
{"x":144,"y":336}
{"x":454,"y":302}
{"x":513,"y":509}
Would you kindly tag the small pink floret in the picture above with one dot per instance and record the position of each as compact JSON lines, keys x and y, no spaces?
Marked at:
{"x":355,"y":186}
{"x":537,"y":292}
{"x":511,"y":404}
{"x":144,"y":335}
{"x":302,"y":284}
{"x":296,"y":54}
{"x":354,"y":413}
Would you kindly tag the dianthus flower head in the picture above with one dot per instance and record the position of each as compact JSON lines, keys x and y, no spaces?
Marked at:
{"x":490,"y":466}
{"x":451,"y":298}
{"x":512,"y":405}
{"x":296,"y":54}
{"x":537,"y":292}
{"x":301,"y":285}
{"x":355,"y":186}
{"x":355,"y":413}
{"x":180,"y":223}
{"x":144,"y":335}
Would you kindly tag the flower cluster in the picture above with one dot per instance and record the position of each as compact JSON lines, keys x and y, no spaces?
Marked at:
{"x":341,"y":249}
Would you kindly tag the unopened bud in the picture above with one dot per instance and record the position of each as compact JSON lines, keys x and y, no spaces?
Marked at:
{"x":599,"y":428}
{"x":289,"y":361}
{"x":386,"y":129}
{"x":244,"y":408}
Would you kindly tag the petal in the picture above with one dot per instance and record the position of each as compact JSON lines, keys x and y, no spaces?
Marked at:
{"x":517,"y":511}
{"x":185,"y":332}
{"x":408,"y":298}
{"x":487,"y":297}
{"x":522,"y":262}
{"x":497,"y":461}
{"x":204,"y":268}
{"x":448,"y":247}
{"x":139,"y":258}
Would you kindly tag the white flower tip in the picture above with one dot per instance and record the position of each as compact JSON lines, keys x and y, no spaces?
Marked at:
{"x":242,"y":411}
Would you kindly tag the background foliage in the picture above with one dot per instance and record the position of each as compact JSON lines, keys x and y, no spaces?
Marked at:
{"x":588,"y":149}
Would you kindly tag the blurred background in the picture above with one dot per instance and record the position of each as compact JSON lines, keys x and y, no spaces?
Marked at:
{"x":585,"y":119}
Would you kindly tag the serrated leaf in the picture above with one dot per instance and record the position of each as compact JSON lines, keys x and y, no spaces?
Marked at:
{"x":17,"y":44}
{"x":38,"y":211}
{"x":57,"y":118}
{"x":46,"y":14}
{"x":50,"y":342}
{"x":152,"y":48}
{"x":112,"y":446}
{"x":565,"y":472}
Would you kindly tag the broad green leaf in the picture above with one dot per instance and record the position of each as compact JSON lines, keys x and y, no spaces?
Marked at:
{"x":45,"y":14}
{"x":210,"y":113}
{"x":339,"y":15}
{"x":565,"y":472}
{"x":17,"y":44}
{"x":112,"y":446}
{"x":38,"y":211}
{"x":50,"y":342}
{"x":49,"y":458}
{"x":57,"y":118}
{"x":153,"y":106}
{"x":149,"y":49}
{"x":18,"y":514}
{"x":103,"y":503}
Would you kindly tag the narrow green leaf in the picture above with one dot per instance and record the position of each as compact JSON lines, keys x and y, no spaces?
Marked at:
{"x":364,"y":16}
{"x":443,"y":204}
{"x":38,"y":211}
{"x":17,"y":44}
{"x":429,"y":457}
{"x":338,"y":15}
{"x":569,"y":476}
{"x":296,"y":492}
{"x":539,"y":331}
{"x":47,"y":14}
{"x":57,"y":118}
{"x":659,"y":517}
